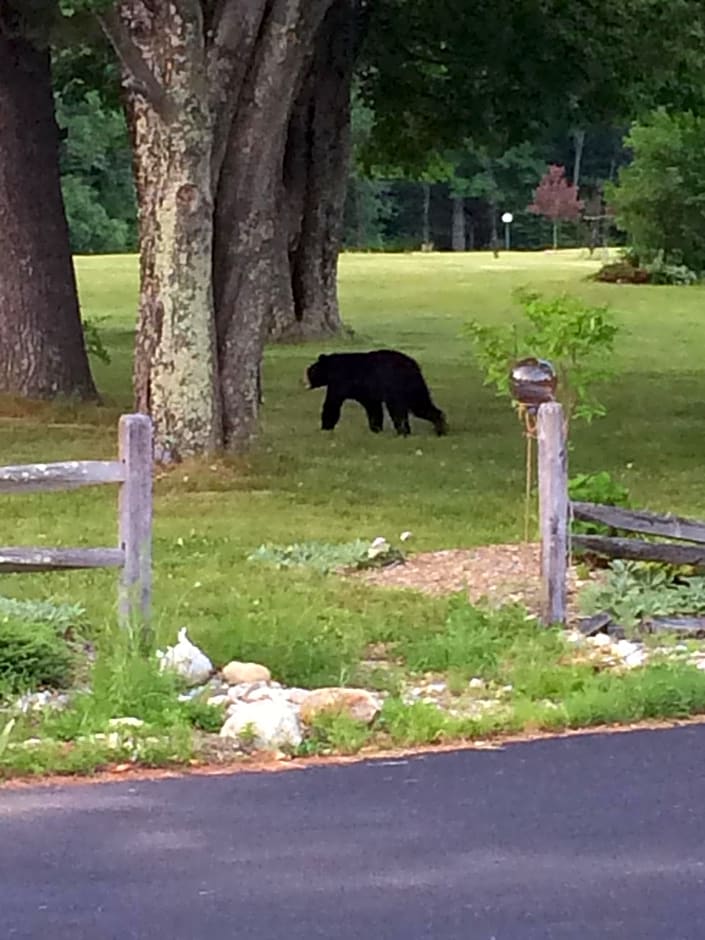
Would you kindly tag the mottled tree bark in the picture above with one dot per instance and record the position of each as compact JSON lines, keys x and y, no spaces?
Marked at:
{"x":251,"y":238}
{"x":42,"y":351}
{"x":172,"y":125}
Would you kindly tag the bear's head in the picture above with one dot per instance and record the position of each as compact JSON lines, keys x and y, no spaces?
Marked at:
{"x":317,"y":373}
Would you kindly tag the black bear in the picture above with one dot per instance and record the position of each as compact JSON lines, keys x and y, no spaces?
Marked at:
{"x":383,"y":376}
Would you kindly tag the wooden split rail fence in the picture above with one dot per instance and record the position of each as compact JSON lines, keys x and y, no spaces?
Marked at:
{"x":133,"y":472}
{"x":556,"y":511}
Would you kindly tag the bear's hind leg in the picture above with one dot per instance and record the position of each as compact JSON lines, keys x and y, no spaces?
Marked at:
{"x":399,"y":414}
{"x":422,"y":407}
{"x":430,"y":413}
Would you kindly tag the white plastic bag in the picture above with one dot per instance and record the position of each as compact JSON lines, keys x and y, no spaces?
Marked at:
{"x":187,"y":660}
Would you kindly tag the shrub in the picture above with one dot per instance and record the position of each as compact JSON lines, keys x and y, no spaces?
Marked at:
{"x":32,"y":655}
{"x":658,"y":200}
{"x":596,"y":488}
{"x":575,"y":337}
{"x":661,"y":271}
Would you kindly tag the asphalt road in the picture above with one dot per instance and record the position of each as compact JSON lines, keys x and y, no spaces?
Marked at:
{"x":584,"y":837}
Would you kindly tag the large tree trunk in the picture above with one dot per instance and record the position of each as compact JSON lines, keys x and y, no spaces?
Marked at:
{"x":250,"y":238}
{"x":315,"y":176}
{"x":42,"y":351}
{"x":175,"y":355}
{"x":458,"y":232}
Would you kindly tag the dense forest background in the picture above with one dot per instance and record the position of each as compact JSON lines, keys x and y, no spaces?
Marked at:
{"x":451,"y":208}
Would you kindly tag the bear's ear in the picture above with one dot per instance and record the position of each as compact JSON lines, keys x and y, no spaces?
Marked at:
{"x":322,"y":357}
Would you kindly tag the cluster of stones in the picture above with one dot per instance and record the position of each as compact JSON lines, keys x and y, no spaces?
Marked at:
{"x":262,"y":713}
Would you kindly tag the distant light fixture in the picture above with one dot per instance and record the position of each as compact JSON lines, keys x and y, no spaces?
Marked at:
{"x":507,"y":218}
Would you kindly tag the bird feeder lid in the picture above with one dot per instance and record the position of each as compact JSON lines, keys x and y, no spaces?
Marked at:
{"x":533,"y":381}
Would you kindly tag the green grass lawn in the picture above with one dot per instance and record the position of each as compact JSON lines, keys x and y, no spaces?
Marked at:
{"x":299,"y":484}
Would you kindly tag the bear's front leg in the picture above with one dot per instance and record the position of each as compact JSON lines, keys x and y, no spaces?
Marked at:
{"x":331,"y":411}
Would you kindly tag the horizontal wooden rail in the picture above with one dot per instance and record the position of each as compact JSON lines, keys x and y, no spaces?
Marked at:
{"x":636,"y":550}
{"x":133,"y":471}
{"x":60,"y":476}
{"x":59,"y":559}
{"x":648,"y":523}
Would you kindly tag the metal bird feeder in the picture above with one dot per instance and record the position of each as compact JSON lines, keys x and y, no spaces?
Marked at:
{"x":533,"y":382}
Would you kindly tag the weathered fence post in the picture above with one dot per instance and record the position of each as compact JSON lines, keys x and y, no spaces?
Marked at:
{"x":135,"y":528}
{"x":553,"y":511}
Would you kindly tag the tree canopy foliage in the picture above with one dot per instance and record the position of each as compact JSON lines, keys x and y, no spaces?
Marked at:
{"x":502,"y":71}
{"x":660,"y":196}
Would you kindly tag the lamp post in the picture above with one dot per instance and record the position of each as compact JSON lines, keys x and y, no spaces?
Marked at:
{"x":507,"y":218}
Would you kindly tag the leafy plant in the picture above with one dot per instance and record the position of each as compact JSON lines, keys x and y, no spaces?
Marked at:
{"x":575,"y":337}
{"x":335,"y":732}
{"x":201,"y":715}
{"x":60,"y":616}
{"x":596,"y":488}
{"x":326,"y":557}
{"x":94,"y":340}
{"x":661,"y":271}
{"x":633,"y":591}
{"x":32,"y":655}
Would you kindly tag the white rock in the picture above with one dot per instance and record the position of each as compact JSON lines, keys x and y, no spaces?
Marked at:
{"x":217,"y":701}
{"x":700,"y":664}
{"x":476,"y":683}
{"x":625,"y":648}
{"x":296,"y":695}
{"x":273,"y":724}
{"x":187,"y":660}
{"x":600,"y":639}
{"x":635,"y":659}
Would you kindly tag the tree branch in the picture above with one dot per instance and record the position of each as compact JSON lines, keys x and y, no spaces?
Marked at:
{"x":141,"y":78}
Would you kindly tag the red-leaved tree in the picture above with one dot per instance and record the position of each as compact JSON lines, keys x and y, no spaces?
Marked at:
{"x":556,"y":199}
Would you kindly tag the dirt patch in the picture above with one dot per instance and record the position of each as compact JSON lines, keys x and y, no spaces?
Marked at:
{"x":498,"y":574}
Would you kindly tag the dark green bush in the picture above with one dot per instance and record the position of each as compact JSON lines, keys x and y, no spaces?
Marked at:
{"x":32,"y":655}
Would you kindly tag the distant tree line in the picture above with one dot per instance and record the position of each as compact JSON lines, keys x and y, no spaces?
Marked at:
{"x":459,"y":210}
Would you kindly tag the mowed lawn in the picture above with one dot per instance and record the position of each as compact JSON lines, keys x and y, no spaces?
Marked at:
{"x":300,"y":484}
